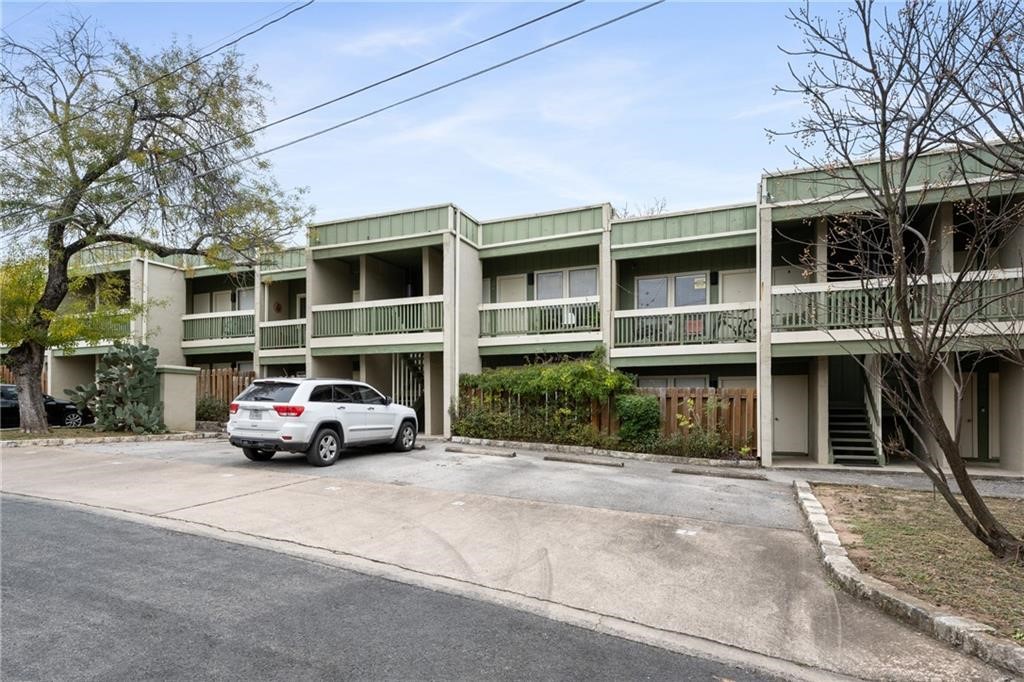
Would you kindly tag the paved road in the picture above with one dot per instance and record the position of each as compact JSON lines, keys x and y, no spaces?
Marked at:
{"x":90,"y":597}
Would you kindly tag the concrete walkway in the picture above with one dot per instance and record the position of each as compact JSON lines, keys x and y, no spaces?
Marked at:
{"x":757,"y":589}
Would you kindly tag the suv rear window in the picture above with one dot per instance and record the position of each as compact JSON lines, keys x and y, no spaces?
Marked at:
{"x":270,"y":391}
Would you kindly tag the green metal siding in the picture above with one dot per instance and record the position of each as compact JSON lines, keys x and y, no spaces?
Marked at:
{"x":681,"y":360}
{"x":547,"y":225}
{"x":933,"y":169}
{"x":405,"y":224}
{"x":541,"y":347}
{"x":469,"y":228}
{"x":358,"y":248}
{"x":375,"y":350}
{"x":686,"y":225}
{"x":578,"y":241}
{"x":542,"y":260}
{"x":285,"y":260}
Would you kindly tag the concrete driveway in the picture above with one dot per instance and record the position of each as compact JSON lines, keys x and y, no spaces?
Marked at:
{"x":663,"y":557}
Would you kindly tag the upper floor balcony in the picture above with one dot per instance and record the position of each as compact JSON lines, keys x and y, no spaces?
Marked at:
{"x":282,"y":334}
{"x":547,"y":316}
{"x":981,"y":297}
{"x":213,"y":329}
{"x":716,"y":323}
{"x":410,"y":320}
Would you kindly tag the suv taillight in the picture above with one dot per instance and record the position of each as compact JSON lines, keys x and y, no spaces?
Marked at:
{"x":233,"y":408}
{"x":289,"y":410}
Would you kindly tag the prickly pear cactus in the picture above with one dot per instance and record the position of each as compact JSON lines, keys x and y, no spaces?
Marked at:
{"x":124,"y":395}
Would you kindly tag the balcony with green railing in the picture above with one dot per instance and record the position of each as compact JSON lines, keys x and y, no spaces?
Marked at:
{"x":543,"y":317}
{"x":211,"y":329}
{"x":413,"y":315}
{"x":718,"y":323}
{"x":982,"y":297}
{"x":283,"y":334}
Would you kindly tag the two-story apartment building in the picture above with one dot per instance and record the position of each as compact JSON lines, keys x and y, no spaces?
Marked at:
{"x":716,"y":297}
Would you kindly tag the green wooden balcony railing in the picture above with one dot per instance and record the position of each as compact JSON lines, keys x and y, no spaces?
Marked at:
{"x":705,"y":324}
{"x":283,"y":334}
{"x":213,"y":326}
{"x":540,"y":317}
{"x":983,"y":296}
{"x":390,"y":316}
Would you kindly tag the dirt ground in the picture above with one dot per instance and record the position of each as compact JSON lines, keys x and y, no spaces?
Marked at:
{"x":912,"y":540}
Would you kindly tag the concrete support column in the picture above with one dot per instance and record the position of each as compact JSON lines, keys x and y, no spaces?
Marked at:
{"x":821,"y":250}
{"x":942,"y":240}
{"x":765,"y":433}
{"x":817,"y":403}
{"x":873,"y":369}
{"x":433,"y":391}
{"x":606,"y":281}
{"x":1011,"y":425}
{"x":327,"y":281}
{"x":258,"y":315}
{"x":450,"y":366}
{"x":944,"y":391}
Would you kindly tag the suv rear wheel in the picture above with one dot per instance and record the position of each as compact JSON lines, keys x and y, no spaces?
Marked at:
{"x":406,"y":438}
{"x":258,"y":455}
{"x":325,"y":448}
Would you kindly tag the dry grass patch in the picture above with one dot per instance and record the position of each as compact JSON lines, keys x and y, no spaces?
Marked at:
{"x":59,"y":432}
{"x":912,"y":540}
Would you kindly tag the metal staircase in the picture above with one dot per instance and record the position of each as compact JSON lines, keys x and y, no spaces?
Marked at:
{"x":850,"y":439}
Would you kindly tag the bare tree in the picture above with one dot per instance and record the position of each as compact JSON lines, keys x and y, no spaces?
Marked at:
{"x":655,"y":206}
{"x":914,"y":131}
{"x":102,"y":144}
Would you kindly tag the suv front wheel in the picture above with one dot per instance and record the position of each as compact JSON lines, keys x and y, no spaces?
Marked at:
{"x":406,"y":438}
{"x":325,"y":448}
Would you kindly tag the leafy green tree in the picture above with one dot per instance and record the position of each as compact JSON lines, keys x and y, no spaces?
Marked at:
{"x":103,"y":144}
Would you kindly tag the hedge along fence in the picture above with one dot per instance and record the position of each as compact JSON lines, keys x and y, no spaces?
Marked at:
{"x":733,"y":410}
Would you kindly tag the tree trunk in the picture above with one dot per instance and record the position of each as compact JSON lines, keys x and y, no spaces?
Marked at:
{"x":26,"y":361}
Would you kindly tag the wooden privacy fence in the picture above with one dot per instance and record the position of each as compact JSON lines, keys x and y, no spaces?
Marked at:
{"x":7,"y":377}
{"x":732,"y":409}
{"x":222,"y":384}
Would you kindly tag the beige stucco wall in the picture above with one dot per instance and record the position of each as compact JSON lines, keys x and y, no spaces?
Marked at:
{"x":328,"y":281}
{"x":178,"y":395}
{"x":1011,"y":255}
{"x":433,"y":271}
{"x":331,"y":367}
{"x":376,"y":371}
{"x":68,"y":372}
{"x":433,"y":391}
{"x":163,"y":293}
{"x":1011,"y":425}
{"x":817,"y":405}
{"x":379,"y":280}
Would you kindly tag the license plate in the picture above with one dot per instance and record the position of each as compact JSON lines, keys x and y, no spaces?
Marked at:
{"x":255,"y":415}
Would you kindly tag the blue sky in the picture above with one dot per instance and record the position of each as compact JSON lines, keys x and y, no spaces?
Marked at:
{"x":671,"y":103}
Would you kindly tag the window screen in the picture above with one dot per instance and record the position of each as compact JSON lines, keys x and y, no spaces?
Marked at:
{"x":583,"y":283}
{"x":549,"y":285}
{"x":691,"y":290}
{"x":652,"y":292}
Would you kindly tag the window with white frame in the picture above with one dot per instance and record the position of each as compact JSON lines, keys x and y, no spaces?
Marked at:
{"x":569,"y":283}
{"x":672,"y":291}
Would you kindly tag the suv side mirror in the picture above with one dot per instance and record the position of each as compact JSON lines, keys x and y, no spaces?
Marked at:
{"x":388,"y":400}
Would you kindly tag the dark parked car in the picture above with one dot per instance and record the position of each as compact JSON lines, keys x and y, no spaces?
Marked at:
{"x":58,"y":412}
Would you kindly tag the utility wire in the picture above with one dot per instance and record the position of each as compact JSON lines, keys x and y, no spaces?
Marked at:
{"x":31,"y":11}
{"x":337,"y":99}
{"x":184,"y":66}
{"x":406,"y":100}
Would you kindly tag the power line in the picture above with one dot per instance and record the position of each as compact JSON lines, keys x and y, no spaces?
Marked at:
{"x":31,"y":11}
{"x":406,"y":100}
{"x":165,"y":75}
{"x":337,"y":99}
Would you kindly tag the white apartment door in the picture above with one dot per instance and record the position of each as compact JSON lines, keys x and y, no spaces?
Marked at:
{"x":969,"y":420}
{"x":789,"y":407}
{"x":221,"y":302}
{"x":512,"y":289}
{"x":200,"y":303}
{"x":737,"y":286}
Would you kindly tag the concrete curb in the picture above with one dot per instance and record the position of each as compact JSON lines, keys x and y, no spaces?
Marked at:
{"x":721,"y":472}
{"x":583,"y":459}
{"x":598,"y":452}
{"x":480,"y":450}
{"x":50,"y":442}
{"x":969,"y":636}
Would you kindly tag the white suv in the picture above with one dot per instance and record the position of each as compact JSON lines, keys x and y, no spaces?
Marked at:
{"x":318,"y":417}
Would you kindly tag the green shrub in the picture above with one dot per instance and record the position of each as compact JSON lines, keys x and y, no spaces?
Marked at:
{"x":211,"y":409}
{"x":548,"y":402}
{"x":701,"y":436}
{"x":639,"y":419}
{"x":124,"y":395}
